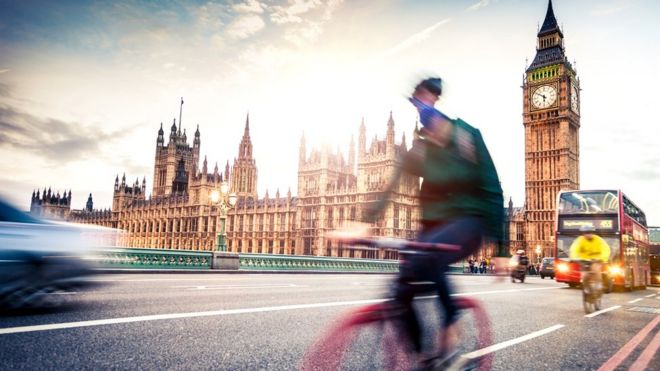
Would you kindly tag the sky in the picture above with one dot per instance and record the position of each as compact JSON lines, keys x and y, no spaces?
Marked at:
{"x":84,"y":85}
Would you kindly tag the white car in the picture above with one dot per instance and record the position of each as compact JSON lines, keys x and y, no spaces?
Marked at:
{"x":40,"y":259}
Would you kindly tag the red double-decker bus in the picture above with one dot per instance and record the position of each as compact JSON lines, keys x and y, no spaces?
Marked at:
{"x":618,"y":221}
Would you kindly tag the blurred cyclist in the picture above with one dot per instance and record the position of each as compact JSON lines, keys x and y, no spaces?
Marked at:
{"x":590,"y":250}
{"x":461,"y":201}
{"x":589,"y":246}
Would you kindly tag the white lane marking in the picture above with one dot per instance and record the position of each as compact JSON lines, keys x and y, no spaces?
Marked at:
{"x":230,"y":287}
{"x":110,"y":321}
{"x":635,"y":301}
{"x":369,"y":284}
{"x":213,"y":277}
{"x":508,"y":343}
{"x":57,"y":326}
{"x":505,"y":291}
{"x":650,"y":296}
{"x":159,"y":279}
{"x":64,"y":293}
{"x":594,"y":314}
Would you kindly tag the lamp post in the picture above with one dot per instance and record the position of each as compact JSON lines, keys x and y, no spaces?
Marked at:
{"x":225,"y":201}
{"x":538,"y":254}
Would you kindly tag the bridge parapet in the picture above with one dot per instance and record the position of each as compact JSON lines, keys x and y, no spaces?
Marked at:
{"x":138,"y":258}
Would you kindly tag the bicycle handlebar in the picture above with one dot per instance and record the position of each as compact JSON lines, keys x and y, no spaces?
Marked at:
{"x":399,"y":244}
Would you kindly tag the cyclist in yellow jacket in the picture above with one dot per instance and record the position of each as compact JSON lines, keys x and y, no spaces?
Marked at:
{"x":592,"y":251}
{"x":589,"y":246}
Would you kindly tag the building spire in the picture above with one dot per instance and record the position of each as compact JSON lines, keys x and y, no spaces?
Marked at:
{"x":246,"y":134}
{"x":550,"y":22}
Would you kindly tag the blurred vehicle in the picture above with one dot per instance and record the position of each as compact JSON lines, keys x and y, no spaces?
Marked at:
{"x":518,"y":266}
{"x":40,"y":259}
{"x":654,"y":262}
{"x":547,"y":268}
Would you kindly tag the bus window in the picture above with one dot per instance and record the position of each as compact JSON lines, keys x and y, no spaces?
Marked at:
{"x":592,"y":202}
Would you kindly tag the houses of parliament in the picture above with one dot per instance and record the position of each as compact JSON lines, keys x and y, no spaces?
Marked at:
{"x":332,"y":189}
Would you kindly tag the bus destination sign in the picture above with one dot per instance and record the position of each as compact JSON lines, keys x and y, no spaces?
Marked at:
{"x":599,"y":224}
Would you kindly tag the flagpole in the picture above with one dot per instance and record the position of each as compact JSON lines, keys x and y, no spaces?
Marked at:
{"x":180,"y":111}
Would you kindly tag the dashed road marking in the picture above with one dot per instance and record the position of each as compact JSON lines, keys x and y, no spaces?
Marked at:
{"x":594,"y":314}
{"x":508,"y":343}
{"x":636,"y":300}
{"x":645,"y":310}
{"x":234,"y":287}
{"x":650,"y":296}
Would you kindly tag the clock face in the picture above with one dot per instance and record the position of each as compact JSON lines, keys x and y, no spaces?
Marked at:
{"x":574,"y":99}
{"x":544,"y":97}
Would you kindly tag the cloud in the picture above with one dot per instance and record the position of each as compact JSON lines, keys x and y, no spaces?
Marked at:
{"x":605,"y":10}
{"x":51,"y":139}
{"x":304,"y":35}
{"x":291,"y":13}
{"x":415,"y":39}
{"x":5,"y":90}
{"x":4,"y":70}
{"x":308,"y":30}
{"x":479,"y":5}
{"x":250,"y":6}
{"x":245,"y":26}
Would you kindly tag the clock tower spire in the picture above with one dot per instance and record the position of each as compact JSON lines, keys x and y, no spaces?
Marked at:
{"x":551,"y":117}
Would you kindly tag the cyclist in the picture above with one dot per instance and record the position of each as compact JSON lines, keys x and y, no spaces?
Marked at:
{"x":590,"y":250}
{"x":461,"y":201}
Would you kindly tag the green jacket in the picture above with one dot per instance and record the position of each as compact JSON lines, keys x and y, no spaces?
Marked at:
{"x":459,"y":179}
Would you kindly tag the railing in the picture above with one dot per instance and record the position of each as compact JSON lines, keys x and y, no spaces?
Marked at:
{"x":137,"y":258}
{"x":268,"y":262}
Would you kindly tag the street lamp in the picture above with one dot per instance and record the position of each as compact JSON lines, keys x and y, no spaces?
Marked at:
{"x":538,"y":253}
{"x":225,"y":201}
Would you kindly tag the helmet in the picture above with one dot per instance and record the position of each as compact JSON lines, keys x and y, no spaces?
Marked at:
{"x":432,"y":84}
{"x":587,"y":228}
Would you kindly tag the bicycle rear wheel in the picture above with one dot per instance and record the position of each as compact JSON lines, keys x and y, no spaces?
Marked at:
{"x":475,"y":354}
{"x":365,"y":338}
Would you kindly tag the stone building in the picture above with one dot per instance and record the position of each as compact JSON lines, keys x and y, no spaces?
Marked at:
{"x":50,"y":205}
{"x":333,"y":190}
{"x":179,"y":214}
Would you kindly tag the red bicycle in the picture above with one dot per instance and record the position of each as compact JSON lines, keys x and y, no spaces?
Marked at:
{"x":369,"y":337}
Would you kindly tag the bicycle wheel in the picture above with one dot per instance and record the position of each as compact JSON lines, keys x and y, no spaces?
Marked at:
{"x":474,"y":353}
{"x":365,"y":338}
{"x":596,"y":299}
{"x":586,"y":303}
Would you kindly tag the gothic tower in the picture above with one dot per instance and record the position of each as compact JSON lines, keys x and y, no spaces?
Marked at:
{"x":169,"y":156}
{"x":551,"y":117}
{"x":244,"y":171}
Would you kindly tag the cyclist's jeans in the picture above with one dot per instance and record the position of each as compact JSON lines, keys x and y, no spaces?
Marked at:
{"x":426,"y":272}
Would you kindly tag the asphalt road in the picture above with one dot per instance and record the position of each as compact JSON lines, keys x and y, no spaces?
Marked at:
{"x":267,"y":321}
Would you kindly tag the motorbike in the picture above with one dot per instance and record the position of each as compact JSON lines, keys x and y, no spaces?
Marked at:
{"x":518,"y":268}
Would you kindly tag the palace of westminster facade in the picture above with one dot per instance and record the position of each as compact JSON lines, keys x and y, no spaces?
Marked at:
{"x":332,"y":189}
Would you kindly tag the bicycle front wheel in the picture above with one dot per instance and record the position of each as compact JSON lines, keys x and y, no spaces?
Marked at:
{"x":365,"y":338}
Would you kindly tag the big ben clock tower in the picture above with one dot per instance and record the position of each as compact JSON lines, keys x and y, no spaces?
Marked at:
{"x":551,"y":117}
